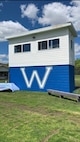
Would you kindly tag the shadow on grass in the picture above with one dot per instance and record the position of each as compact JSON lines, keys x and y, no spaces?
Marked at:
{"x":77,"y":87}
{"x":63,"y":97}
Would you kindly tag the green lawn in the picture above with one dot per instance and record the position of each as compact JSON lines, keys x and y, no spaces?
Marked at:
{"x":38,"y":117}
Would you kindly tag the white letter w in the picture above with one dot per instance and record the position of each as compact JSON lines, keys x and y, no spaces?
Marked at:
{"x":35,"y":74}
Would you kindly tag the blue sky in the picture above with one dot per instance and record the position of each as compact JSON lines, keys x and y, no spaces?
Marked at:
{"x":21,"y":16}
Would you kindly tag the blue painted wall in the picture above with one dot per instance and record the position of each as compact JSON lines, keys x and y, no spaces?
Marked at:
{"x":41,"y":78}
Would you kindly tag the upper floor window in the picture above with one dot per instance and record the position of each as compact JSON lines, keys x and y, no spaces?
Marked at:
{"x":22,"y":48}
{"x":54,"y":43}
{"x":71,"y":44}
{"x":42,"y":45}
{"x":17,"y":48}
{"x":26,"y":47}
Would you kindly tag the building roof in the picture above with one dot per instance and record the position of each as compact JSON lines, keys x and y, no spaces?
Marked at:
{"x":49,"y":28}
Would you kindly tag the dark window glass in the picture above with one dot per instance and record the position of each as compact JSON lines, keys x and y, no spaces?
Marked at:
{"x":39,"y":45}
{"x":54,"y":43}
{"x":42,"y":45}
{"x":26,"y":47}
{"x":17,"y":48}
{"x":71,"y":44}
{"x":50,"y":43}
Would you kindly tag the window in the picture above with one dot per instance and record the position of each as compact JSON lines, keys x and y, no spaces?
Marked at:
{"x":17,"y":48}
{"x":26,"y":47}
{"x":42,"y":45}
{"x":54,"y":43}
{"x":22,"y":48}
{"x":71,"y":44}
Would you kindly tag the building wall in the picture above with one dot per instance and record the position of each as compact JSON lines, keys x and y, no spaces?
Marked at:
{"x":45,"y":69}
{"x":56,"y":56}
{"x":41,"y":78}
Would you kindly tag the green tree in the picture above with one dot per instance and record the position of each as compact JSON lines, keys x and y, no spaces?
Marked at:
{"x":77,"y":67}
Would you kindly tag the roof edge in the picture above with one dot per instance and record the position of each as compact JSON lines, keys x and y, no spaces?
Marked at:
{"x":68,"y":24}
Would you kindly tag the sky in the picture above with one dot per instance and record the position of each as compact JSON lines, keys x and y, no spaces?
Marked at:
{"x":19,"y":16}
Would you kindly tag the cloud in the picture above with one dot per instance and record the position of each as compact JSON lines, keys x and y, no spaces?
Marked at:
{"x":58,"y":13}
{"x":10,"y":28}
{"x":54,"y":13}
{"x":75,"y":14}
{"x":3,"y":58}
{"x":29,"y":11}
{"x":77,"y":50}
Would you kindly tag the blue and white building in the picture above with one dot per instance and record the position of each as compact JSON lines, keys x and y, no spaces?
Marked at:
{"x":43,"y":59}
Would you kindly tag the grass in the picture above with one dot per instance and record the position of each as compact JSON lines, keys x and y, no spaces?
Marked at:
{"x":38,"y":117}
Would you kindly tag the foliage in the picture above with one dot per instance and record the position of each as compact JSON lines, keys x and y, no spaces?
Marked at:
{"x":77,"y":67}
{"x":38,"y":117}
{"x":77,"y":81}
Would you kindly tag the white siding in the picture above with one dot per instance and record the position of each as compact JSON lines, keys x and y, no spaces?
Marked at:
{"x":57,"y":56}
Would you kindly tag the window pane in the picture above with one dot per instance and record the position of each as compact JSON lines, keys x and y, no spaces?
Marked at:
{"x":50,"y":43}
{"x":17,"y":48}
{"x":71,"y":44}
{"x":55,"y":43}
{"x":39,"y":45}
{"x":26,"y":47}
{"x":44,"y":44}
